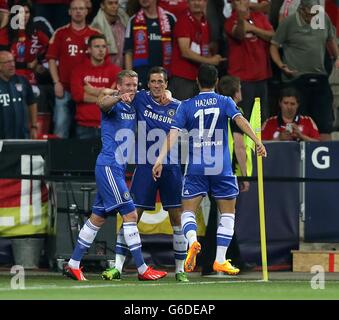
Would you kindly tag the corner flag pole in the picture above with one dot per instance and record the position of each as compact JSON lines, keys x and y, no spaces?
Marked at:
{"x":256,"y":125}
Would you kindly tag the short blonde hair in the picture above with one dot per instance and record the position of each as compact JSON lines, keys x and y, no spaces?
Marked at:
{"x":126,"y":73}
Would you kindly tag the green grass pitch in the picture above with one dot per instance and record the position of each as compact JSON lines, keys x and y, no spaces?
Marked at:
{"x":57,"y":287}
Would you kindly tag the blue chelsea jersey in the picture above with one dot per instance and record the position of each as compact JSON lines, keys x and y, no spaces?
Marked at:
{"x":154,"y":123}
{"x":205,"y":117}
{"x":117,"y":135}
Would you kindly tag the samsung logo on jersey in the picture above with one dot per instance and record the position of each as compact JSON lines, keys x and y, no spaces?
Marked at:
{"x":157,"y":117}
{"x":128,"y":116}
{"x":206,"y":102}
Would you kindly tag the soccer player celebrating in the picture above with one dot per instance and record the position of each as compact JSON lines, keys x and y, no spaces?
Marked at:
{"x":209,"y":167}
{"x":118,"y":117}
{"x":153,"y":113}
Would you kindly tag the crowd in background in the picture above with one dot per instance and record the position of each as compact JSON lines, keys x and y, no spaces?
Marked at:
{"x":269,"y":45}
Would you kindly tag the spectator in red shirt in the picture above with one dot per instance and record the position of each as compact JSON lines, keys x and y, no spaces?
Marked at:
{"x":255,"y":5}
{"x":95,"y":73}
{"x":27,"y":44}
{"x":177,"y":7}
{"x":3,"y":25}
{"x":289,"y":125}
{"x":332,"y":9}
{"x":249,"y":34}
{"x":190,"y":49}
{"x":68,"y":46}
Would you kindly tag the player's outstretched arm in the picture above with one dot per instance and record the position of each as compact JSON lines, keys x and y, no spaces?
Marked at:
{"x":244,"y":125}
{"x":167,"y":145}
{"x":107,"y":99}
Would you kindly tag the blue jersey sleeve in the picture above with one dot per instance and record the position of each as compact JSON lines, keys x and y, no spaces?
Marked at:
{"x":112,"y":110}
{"x":140,"y":96}
{"x":231,"y":110}
{"x":179,"y":120}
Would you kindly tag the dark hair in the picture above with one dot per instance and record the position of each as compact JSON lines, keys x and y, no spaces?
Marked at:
{"x":132,"y":7}
{"x":156,"y":69}
{"x":103,"y":1}
{"x":29,"y":27}
{"x":289,"y":92}
{"x":229,"y":86}
{"x":94,"y":37}
{"x":207,"y":75}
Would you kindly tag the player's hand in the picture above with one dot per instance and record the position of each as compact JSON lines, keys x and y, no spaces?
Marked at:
{"x":127,"y":97}
{"x":261,"y":150}
{"x":166,"y":97}
{"x":156,"y":170}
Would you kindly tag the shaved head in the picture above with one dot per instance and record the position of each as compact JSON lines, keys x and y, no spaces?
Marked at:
{"x":7,"y":65}
{"x":4,"y":54}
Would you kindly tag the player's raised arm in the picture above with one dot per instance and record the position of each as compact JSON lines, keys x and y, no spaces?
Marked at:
{"x":167,"y":146}
{"x":244,"y":125}
{"x":107,"y":99}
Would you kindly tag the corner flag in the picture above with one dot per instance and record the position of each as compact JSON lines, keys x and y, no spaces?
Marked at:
{"x":255,"y":122}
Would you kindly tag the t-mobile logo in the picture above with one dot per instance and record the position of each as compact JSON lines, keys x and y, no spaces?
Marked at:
{"x":4,"y":99}
{"x":72,"y":49}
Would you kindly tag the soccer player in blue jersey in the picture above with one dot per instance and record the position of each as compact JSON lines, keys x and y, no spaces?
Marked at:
{"x":118,"y":121}
{"x":154,"y":120}
{"x":209,"y":167}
